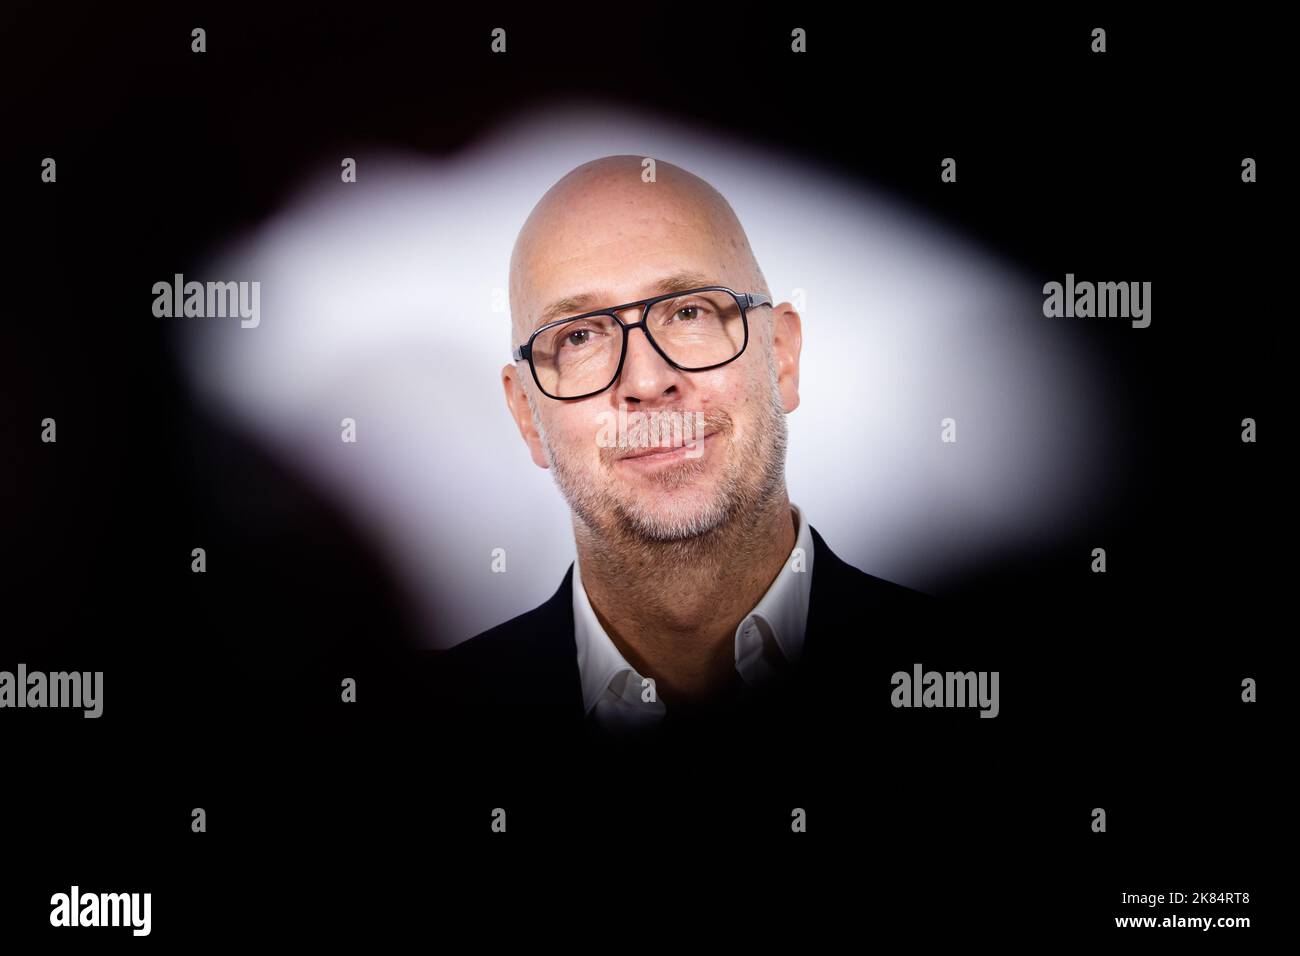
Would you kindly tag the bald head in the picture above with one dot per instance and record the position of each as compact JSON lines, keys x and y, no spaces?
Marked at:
{"x":603,"y":235}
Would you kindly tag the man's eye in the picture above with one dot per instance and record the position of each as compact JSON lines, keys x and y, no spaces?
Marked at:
{"x":693,"y":311}
{"x":577,"y":337}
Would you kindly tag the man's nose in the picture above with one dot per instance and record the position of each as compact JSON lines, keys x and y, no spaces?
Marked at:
{"x":646,"y":375}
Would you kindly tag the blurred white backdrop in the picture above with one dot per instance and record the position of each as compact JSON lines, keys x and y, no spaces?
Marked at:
{"x":377,"y":304}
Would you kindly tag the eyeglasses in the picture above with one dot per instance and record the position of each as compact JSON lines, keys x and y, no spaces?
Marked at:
{"x":695,"y":330}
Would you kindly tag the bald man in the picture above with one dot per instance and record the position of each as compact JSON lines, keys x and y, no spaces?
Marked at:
{"x":652,"y":373}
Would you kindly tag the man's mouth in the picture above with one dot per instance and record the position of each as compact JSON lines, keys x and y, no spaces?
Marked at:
{"x":655,"y":454}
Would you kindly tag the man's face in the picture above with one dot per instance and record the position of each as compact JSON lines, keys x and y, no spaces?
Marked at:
{"x":614,"y":245}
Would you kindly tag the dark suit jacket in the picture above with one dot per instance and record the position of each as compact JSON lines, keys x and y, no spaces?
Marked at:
{"x":521,"y":677}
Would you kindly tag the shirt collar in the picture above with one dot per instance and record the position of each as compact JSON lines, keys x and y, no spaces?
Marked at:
{"x":599,"y":661}
{"x":783,"y":609}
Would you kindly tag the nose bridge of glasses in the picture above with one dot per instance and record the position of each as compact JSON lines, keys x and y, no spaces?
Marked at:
{"x":630,"y":315}
{"x":638,"y":354}
{"x":638,"y":319}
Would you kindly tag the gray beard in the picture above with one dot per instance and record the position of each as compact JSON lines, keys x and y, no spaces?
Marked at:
{"x":744,"y":497}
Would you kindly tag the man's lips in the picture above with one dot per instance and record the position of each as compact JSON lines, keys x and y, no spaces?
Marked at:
{"x":654,"y":452}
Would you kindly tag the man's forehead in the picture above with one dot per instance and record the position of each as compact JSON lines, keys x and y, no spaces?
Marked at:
{"x":564,"y":241}
{"x":596,"y":274}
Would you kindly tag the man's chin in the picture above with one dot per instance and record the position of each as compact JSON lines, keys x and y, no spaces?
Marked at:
{"x":673,"y":521}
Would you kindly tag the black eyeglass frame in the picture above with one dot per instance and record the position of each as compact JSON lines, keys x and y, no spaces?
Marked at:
{"x":744,"y":300}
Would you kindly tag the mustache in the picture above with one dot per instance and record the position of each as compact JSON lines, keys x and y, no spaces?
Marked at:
{"x":664,"y":428}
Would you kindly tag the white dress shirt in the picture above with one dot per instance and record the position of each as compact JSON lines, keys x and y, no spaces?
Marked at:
{"x":768,"y":639}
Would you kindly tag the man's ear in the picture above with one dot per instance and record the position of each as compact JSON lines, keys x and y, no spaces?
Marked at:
{"x":787,"y":342}
{"x":517,"y":402}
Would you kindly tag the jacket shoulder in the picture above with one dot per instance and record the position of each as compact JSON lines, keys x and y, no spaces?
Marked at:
{"x":506,"y":663}
{"x":501,"y":639}
{"x":851,"y":582}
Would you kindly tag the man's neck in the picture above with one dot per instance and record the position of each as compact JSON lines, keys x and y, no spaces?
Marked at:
{"x":672,"y":609}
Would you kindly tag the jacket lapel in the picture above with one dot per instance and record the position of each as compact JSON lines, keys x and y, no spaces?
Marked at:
{"x":824,"y":610}
{"x":555,"y":652}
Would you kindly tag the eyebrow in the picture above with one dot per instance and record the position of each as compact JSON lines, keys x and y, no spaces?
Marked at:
{"x":572,"y":305}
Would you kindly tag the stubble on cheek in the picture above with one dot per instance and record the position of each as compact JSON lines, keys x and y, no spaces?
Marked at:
{"x":602,"y":496}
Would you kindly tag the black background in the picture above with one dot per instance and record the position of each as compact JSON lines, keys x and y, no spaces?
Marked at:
{"x":1119,"y":690}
